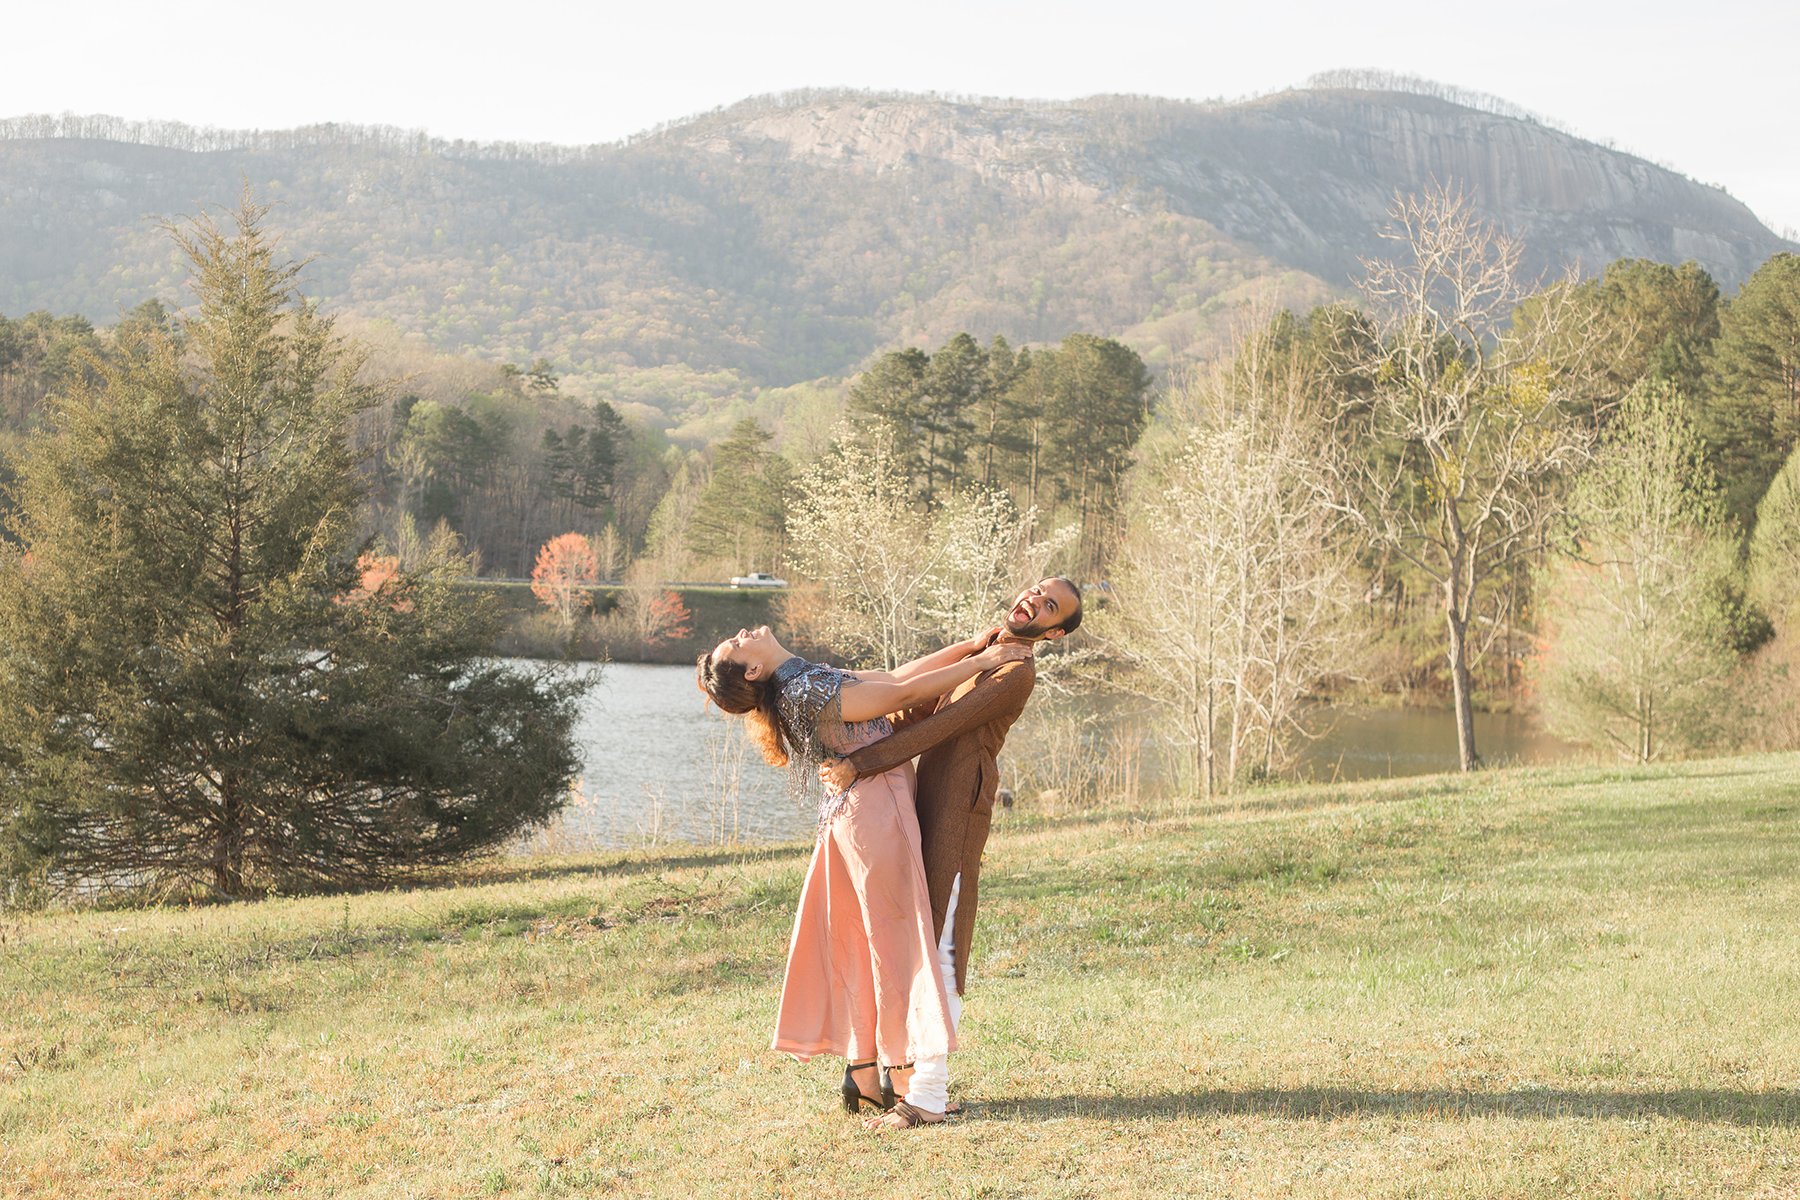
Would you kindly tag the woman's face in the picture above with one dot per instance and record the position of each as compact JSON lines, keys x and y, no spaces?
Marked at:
{"x":747,"y":647}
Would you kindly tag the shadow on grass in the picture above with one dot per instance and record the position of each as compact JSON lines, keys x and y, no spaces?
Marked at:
{"x":1179,"y":817}
{"x":1700,"y":1105}
{"x":1672,"y":773}
{"x":537,"y":870}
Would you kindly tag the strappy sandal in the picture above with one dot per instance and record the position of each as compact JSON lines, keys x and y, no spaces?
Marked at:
{"x":855,"y":1097}
{"x":903,"y":1116}
{"x":951,"y":1108}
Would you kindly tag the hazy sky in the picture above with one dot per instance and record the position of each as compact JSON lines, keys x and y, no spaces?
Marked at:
{"x":1712,"y":90}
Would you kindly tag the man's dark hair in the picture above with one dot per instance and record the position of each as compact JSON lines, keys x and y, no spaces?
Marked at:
{"x":1072,"y":622}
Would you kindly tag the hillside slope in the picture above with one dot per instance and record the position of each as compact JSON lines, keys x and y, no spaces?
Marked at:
{"x":785,"y":240}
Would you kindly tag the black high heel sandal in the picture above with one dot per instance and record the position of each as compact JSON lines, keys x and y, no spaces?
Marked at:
{"x":855,"y":1097}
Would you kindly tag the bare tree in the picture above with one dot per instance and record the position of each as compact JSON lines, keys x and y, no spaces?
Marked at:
{"x":1233,"y":591}
{"x":1467,"y":432}
{"x":894,"y":579}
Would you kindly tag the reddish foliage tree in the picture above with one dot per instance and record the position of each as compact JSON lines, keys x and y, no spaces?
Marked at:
{"x":563,"y":565}
{"x":658,"y":618}
{"x":377,"y":571}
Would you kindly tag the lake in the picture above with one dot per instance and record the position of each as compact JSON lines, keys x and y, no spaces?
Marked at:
{"x":661,"y":766}
{"x":1376,"y":743}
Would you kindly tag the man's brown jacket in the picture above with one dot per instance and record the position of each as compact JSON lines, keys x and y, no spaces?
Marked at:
{"x":956,"y":745}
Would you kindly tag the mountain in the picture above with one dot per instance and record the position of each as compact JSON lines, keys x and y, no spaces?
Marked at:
{"x":790,"y":238}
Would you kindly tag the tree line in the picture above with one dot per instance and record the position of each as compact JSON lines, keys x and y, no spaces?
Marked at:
{"x":1572,"y":496}
{"x":514,"y":463}
{"x":238,"y":658}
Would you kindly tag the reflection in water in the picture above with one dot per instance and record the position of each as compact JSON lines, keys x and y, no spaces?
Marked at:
{"x":1375,"y":743}
{"x":662,"y":766}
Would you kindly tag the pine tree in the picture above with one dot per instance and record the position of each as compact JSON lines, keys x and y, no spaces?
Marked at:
{"x":204,"y":688}
{"x":1751,"y":414}
{"x":1097,"y":407}
{"x":896,"y":393}
{"x":740,"y":514}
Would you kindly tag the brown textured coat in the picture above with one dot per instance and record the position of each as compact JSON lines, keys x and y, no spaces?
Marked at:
{"x":957,"y":745}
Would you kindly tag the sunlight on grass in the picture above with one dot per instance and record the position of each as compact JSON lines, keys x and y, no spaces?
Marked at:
{"x":1524,"y":983}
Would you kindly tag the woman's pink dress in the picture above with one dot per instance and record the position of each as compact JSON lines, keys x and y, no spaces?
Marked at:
{"x":862,"y":976}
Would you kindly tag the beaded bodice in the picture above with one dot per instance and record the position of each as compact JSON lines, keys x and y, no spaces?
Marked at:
{"x":809,"y":701}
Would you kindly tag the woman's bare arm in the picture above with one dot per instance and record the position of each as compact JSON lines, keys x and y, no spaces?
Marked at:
{"x":953,"y":653}
{"x":876,"y":698}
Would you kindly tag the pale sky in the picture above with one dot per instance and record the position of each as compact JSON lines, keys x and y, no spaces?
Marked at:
{"x":1712,"y":90}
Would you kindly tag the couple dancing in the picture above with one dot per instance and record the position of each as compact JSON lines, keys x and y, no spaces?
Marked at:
{"x":879,"y":952}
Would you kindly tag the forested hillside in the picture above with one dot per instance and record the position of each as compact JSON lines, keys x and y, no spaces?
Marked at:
{"x":682,"y":275}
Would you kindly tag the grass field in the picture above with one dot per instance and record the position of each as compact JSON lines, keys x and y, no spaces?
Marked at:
{"x":1524,"y":983}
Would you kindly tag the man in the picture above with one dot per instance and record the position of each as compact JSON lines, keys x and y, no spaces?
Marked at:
{"x":957,"y":744}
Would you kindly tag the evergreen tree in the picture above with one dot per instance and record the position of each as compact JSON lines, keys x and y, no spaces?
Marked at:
{"x":38,"y":354}
{"x":204,"y":686}
{"x":1052,"y":427}
{"x":1097,"y":408}
{"x":740,"y":514}
{"x":895,"y":393}
{"x":1665,"y":319}
{"x":952,"y":382}
{"x":583,"y":462}
{"x":1751,"y":414}
{"x":1642,"y":319}
{"x":994,"y":415}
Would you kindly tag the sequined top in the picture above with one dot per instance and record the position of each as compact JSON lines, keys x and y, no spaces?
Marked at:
{"x":809,"y":703}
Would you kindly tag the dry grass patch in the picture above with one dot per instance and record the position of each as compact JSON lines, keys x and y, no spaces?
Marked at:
{"x":1526,"y":983}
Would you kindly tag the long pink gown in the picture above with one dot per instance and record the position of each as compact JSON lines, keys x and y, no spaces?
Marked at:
{"x":862,"y":976}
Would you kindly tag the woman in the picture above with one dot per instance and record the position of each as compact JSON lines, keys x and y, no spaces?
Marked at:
{"x":862,"y":978}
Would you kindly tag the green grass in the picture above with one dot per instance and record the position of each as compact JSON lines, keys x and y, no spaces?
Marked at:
{"x":1525,"y":983}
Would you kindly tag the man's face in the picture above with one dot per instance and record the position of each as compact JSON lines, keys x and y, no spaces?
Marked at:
{"x":1039,"y":607}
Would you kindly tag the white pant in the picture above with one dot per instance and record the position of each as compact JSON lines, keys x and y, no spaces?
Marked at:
{"x":929,"y":1088}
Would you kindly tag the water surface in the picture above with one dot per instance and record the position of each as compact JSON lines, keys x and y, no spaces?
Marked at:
{"x":1379,"y":743}
{"x":663,"y":766}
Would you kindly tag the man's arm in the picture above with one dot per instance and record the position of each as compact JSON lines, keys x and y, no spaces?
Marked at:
{"x":1001,"y":692}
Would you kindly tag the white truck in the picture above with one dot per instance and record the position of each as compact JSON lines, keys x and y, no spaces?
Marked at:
{"x":756,"y":579}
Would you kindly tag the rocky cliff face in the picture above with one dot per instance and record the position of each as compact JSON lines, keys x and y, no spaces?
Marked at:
{"x":1304,"y":176}
{"x":1323,"y":167}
